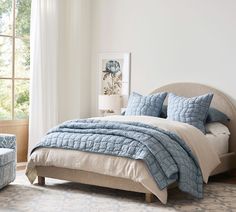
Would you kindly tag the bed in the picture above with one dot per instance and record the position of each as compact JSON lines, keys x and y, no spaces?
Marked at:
{"x":132,"y":175}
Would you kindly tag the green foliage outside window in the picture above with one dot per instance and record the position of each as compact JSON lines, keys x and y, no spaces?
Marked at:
{"x":14,"y":65}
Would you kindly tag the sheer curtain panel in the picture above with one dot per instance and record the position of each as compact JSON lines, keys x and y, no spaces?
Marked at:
{"x":60,"y":64}
{"x":44,"y":37}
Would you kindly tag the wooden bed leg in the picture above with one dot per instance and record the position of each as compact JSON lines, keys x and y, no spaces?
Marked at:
{"x":41,"y":180}
{"x":149,"y":198}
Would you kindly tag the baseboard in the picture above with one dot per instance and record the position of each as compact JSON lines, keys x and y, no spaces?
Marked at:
{"x":21,"y":165}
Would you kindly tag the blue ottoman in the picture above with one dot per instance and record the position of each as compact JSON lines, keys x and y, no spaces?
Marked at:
{"x":7,"y":159}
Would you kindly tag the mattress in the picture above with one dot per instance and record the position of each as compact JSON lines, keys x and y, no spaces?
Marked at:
{"x":220,"y":142}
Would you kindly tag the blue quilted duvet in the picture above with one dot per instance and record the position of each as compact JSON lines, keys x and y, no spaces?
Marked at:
{"x":166,"y":155}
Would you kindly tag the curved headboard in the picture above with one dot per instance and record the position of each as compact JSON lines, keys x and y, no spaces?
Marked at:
{"x":220,"y":101}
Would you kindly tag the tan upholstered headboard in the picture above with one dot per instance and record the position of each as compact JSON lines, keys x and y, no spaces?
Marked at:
{"x":220,"y":101}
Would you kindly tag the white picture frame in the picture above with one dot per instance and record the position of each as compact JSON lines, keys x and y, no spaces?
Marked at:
{"x":124,"y":62}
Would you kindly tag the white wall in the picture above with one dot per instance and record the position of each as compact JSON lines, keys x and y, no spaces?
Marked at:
{"x":170,"y":41}
{"x":74,"y":82}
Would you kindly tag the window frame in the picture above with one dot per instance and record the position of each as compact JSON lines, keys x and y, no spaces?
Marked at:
{"x":13,"y":78}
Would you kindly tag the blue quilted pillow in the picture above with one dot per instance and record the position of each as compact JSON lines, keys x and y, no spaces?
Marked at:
{"x":189,"y":110}
{"x":150,"y":105}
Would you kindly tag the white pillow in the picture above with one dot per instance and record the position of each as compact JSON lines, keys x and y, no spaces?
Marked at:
{"x":217,"y":128}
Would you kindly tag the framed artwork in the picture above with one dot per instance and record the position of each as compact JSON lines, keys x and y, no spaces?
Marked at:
{"x":114,"y":75}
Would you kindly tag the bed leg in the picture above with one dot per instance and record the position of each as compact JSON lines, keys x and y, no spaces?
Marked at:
{"x":149,"y":197}
{"x":41,"y":180}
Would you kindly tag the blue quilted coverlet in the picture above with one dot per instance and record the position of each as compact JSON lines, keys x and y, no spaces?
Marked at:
{"x":167,"y":157}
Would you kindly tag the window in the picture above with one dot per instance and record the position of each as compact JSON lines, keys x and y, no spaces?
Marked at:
{"x":14,"y":59}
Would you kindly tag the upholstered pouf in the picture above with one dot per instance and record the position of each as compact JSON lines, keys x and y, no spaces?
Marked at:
{"x":7,"y":159}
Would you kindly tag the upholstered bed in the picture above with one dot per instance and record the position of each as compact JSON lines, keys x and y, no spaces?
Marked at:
{"x":133,"y":175}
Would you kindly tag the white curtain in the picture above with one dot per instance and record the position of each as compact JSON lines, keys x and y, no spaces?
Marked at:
{"x":44,"y":69}
{"x":60,"y":64}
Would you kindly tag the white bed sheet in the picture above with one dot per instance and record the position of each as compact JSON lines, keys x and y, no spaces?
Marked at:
{"x":220,"y":142}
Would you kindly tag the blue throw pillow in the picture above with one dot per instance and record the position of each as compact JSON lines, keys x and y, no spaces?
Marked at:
{"x":150,"y":105}
{"x":215,"y":115}
{"x":192,"y":111}
{"x":164,"y":112}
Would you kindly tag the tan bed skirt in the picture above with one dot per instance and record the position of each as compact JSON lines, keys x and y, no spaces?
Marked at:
{"x":91,"y":178}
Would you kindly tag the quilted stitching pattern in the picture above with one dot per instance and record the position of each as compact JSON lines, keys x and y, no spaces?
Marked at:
{"x":166,"y":155}
{"x":145,"y":105}
{"x":192,"y":111}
